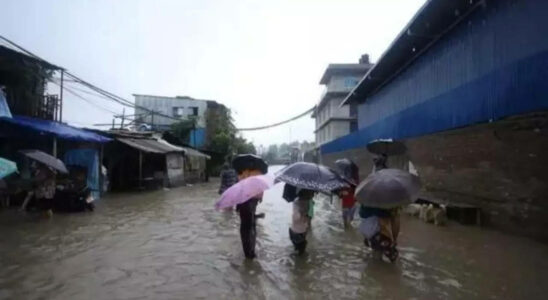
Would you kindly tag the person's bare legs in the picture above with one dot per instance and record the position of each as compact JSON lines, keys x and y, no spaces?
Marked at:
{"x":26,"y":201}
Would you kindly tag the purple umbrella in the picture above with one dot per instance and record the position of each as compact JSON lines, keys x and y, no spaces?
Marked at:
{"x":244,"y":190}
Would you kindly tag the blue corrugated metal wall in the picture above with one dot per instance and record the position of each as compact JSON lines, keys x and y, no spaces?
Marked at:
{"x":493,"y":65}
{"x":197,"y":137}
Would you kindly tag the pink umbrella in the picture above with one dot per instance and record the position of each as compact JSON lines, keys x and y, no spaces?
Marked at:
{"x":244,"y":190}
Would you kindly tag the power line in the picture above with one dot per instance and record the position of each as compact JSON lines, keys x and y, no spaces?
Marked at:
{"x":89,"y":101}
{"x":279,"y":123}
{"x":95,"y":88}
{"x":110,"y":96}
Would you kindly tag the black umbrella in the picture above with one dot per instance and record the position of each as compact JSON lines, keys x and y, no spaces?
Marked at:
{"x":249,"y":162}
{"x":348,"y":169}
{"x":386,"y":147}
{"x":388,"y":188}
{"x":290,"y":192}
{"x":46,"y":159}
{"x":311,"y":176}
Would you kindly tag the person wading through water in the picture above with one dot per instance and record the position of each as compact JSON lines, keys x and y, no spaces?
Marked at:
{"x":300,"y":221}
{"x":380,"y":227}
{"x":247,"y":165}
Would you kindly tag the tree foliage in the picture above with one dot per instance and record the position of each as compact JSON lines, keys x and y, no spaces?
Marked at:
{"x":222,"y":135}
{"x":181,"y":130}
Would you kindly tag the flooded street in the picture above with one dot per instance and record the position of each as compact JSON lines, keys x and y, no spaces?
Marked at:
{"x":174,"y":245}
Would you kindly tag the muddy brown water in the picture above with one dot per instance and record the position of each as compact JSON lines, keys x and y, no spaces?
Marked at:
{"x":174,"y":245}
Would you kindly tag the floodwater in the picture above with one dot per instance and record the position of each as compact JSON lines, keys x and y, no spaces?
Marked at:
{"x":174,"y":245}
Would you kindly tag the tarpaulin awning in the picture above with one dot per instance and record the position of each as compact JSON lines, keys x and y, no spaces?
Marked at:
{"x":150,"y":145}
{"x":56,"y":129}
{"x":4,"y":108}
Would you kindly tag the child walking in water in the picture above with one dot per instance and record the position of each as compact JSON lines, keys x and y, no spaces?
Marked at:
{"x":348,"y":202}
{"x":300,"y":221}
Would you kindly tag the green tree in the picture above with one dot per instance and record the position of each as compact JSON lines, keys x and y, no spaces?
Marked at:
{"x":242,"y":146}
{"x":222,"y":136}
{"x":181,"y":130}
{"x":272,"y":154}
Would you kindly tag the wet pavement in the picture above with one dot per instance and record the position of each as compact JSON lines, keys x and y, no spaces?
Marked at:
{"x":174,"y":245}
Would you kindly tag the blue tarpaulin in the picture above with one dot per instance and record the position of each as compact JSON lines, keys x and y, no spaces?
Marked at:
{"x":4,"y":108}
{"x":60,"y":130}
{"x":88,"y":158}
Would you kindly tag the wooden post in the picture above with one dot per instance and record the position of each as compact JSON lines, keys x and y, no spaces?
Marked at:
{"x":61,"y":98}
{"x":123,"y":118}
{"x":140,"y":168}
{"x":54,"y":147}
{"x":101,"y":177}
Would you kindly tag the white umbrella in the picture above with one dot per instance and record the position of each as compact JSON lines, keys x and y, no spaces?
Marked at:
{"x":388,"y":188}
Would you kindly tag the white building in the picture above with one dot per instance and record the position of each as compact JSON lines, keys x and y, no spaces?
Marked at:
{"x":168,"y":110}
{"x":180,"y":107}
{"x":332,"y":120}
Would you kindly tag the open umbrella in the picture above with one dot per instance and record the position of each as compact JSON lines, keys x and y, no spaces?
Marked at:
{"x":46,"y":159}
{"x":289,"y":193}
{"x":244,"y":190}
{"x":311,"y":177}
{"x":249,"y":161}
{"x":7,"y":167}
{"x":348,"y":169}
{"x":388,"y":188}
{"x":386,"y":147}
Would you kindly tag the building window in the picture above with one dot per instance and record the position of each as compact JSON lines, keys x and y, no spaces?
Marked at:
{"x":350,"y":82}
{"x":193,"y":111}
{"x":178,"y":111}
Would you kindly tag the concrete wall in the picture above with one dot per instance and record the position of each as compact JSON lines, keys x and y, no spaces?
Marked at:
{"x":334,"y":128}
{"x":330,"y":108}
{"x":165,"y":106}
{"x":175,"y":167}
{"x":338,"y":111}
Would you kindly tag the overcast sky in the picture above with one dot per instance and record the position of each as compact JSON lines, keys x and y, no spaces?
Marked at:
{"x":263,"y":59}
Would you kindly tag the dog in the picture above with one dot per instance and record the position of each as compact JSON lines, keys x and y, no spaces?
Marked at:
{"x":413,"y":209}
{"x":422,"y":212}
{"x":433,"y":214}
{"x":440,"y":216}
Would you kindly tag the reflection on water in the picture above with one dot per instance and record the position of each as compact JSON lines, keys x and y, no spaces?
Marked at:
{"x":173,"y":245}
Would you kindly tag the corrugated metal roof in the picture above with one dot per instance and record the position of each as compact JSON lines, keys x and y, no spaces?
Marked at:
{"x":150,"y":145}
{"x":435,"y":19}
{"x":193,"y":152}
{"x":186,"y":150}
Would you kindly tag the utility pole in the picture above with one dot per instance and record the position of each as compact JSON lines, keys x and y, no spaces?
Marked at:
{"x":123,"y":118}
{"x":61,"y":98}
